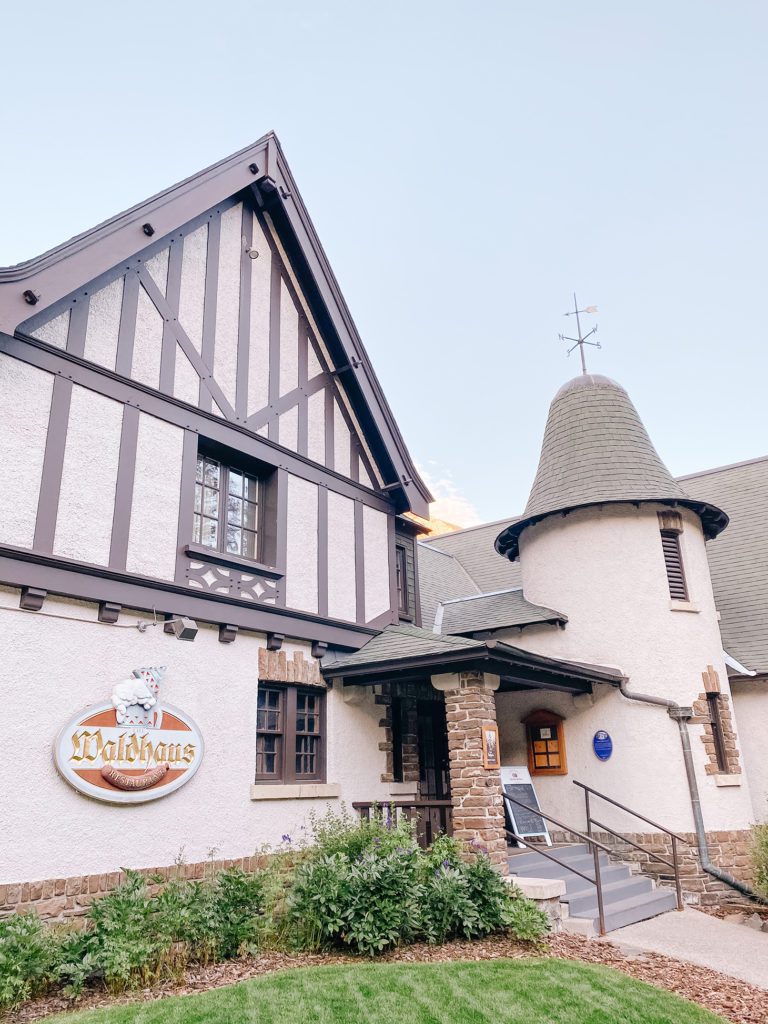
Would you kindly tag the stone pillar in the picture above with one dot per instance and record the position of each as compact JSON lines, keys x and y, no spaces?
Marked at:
{"x":478,"y":809}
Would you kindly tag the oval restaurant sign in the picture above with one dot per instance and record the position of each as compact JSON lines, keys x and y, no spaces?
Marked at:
{"x":131,"y":749}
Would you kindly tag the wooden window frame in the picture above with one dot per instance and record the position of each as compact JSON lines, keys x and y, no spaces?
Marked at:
{"x":718,"y":736}
{"x":221,"y":518}
{"x":404,"y":609}
{"x":546,"y":719}
{"x":286,"y":773}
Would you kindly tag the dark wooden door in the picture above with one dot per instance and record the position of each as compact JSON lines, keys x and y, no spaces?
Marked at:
{"x":434,"y":777}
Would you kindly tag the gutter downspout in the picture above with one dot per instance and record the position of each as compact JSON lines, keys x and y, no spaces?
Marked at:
{"x":681,"y":714}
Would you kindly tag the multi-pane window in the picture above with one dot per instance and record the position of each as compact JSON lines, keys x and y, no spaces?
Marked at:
{"x":226,"y":508}
{"x":546,"y":743}
{"x":289,"y":734}
{"x":269,"y":733}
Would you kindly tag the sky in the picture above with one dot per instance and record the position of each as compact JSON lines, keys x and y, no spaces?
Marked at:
{"x":468,"y":167}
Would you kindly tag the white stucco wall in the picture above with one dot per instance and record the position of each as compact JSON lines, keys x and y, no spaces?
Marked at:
{"x":192,"y":293}
{"x":147,"y":342}
{"x":50,"y":830}
{"x":156,"y":495}
{"x":604,"y":569}
{"x":89,"y":474}
{"x":228,"y":301}
{"x":316,"y":427}
{"x":56,"y":331}
{"x":301,"y":558}
{"x":258,"y":364}
{"x":376,"y":542}
{"x":341,"y":442}
{"x":289,"y":341}
{"x":750,"y":701}
{"x":103,"y":325}
{"x":25,"y":398}
{"x":341,"y":557}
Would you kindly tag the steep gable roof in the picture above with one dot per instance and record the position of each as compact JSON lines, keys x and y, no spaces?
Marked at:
{"x":738,"y":558}
{"x":260,"y":174}
{"x":473,"y":548}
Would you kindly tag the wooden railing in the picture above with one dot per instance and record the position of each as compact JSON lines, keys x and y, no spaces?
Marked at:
{"x":432,"y":816}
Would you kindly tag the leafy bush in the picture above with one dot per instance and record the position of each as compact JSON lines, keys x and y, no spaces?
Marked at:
{"x":133,"y":936}
{"x":26,"y":958}
{"x":367,"y":885}
{"x":760,"y":857}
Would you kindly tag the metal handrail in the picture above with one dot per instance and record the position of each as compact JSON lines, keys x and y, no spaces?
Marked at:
{"x":674,"y":863}
{"x":593,"y":844}
{"x":636,"y":814}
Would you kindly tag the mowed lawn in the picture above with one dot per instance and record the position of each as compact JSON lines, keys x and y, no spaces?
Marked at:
{"x":496,"y":992}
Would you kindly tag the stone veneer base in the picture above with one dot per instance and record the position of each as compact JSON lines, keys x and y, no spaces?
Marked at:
{"x":728,"y":850}
{"x":62,"y":899}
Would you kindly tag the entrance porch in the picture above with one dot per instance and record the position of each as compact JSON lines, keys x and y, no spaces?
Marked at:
{"x":443,"y":736}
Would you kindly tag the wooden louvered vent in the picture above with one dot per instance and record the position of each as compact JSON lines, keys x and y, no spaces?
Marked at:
{"x":673,"y":559}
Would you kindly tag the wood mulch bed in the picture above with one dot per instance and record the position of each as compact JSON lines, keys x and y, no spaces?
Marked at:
{"x":734,"y":1000}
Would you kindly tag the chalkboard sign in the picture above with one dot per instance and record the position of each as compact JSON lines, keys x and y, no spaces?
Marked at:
{"x":516,"y":783}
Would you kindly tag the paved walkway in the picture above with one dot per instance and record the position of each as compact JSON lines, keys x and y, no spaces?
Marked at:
{"x":700,"y":939}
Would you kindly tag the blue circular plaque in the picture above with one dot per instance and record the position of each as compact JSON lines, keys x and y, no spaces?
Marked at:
{"x":602,"y":744}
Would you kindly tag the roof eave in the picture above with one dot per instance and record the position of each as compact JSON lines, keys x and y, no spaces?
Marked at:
{"x":713,"y":519}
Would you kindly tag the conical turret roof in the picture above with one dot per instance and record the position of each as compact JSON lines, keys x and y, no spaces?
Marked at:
{"x":597,"y":451}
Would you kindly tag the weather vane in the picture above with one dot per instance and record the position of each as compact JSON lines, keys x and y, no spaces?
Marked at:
{"x":580,"y":342}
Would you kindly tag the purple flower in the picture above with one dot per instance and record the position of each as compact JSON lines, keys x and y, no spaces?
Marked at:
{"x":446,"y":864}
{"x":286,"y":838}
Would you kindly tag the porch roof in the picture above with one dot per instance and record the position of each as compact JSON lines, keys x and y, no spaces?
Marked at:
{"x":407,"y":651}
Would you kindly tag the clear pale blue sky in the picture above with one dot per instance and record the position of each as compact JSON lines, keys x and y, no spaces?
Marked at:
{"x":467,"y":165}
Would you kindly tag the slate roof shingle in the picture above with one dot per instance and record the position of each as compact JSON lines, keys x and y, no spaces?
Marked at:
{"x":484,"y":612}
{"x":738,"y":558}
{"x":596,"y":450}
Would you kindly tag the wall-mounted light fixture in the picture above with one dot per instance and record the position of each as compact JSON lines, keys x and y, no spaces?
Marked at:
{"x":182,"y":627}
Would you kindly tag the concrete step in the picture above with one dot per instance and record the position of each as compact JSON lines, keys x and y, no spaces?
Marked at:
{"x":627,"y":897}
{"x":583,"y":902}
{"x":638,"y":908}
{"x":542,"y":867}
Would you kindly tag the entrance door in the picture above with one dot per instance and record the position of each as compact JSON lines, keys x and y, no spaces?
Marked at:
{"x":434,"y":778}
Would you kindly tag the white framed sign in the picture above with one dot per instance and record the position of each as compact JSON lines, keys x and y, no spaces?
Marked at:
{"x":131,"y":749}
{"x":516,"y":782}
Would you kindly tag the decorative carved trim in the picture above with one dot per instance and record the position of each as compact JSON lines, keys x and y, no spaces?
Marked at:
{"x":230,"y":582}
{"x":319,"y":648}
{"x":670,"y":520}
{"x":277,"y":667}
{"x":275,"y":641}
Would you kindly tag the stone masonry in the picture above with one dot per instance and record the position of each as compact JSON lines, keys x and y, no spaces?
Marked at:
{"x":478,"y":810}
{"x":728,"y":850}
{"x":64,"y":899}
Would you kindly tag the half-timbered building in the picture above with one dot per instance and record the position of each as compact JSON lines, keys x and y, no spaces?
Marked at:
{"x":195,"y":447}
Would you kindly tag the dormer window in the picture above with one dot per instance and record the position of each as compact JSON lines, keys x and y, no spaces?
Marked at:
{"x":671,"y":526}
{"x":226,"y":508}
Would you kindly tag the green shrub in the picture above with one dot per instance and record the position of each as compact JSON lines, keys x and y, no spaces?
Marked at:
{"x":26,"y":958}
{"x":759,"y":853}
{"x":367,"y":885}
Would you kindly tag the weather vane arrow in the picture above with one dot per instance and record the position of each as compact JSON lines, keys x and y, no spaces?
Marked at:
{"x":581,"y":340}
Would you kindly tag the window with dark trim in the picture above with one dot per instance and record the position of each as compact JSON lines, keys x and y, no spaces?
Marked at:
{"x":671,"y":526}
{"x":401,"y":572}
{"x":718,"y":737}
{"x":226,"y":508}
{"x":290,"y":734}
